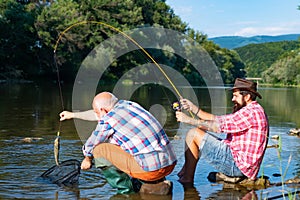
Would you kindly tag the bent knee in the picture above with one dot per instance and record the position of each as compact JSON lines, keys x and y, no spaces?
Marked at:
{"x":196,"y":135}
{"x":196,"y":131}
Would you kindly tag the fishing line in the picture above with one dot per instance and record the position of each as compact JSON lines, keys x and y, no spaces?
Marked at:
{"x":57,"y":139}
{"x":60,"y":90}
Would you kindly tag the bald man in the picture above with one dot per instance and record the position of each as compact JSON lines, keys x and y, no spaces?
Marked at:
{"x":127,"y":139}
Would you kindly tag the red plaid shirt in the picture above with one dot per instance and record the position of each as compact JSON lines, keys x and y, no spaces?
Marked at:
{"x":247,"y":135}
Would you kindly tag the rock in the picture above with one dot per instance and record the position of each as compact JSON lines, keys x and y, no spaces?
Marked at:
{"x":294,"y":131}
{"x":31,"y":139}
{"x":273,"y":146}
{"x":295,"y":180}
{"x":161,"y":188}
{"x":260,"y":183}
{"x":275,"y":137}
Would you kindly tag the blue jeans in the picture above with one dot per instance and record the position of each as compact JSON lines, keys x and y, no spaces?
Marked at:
{"x":218,"y":154}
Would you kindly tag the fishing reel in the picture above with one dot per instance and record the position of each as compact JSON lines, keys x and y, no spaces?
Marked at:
{"x":176,"y":106}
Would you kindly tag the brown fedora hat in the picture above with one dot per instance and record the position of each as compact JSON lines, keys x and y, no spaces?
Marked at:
{"x":242,"y":84}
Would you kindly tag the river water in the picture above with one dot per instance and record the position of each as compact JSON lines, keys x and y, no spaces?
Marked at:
{"x":31,"y":111}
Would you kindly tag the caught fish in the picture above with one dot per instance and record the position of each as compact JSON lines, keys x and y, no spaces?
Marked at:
{"x":56,"y":148}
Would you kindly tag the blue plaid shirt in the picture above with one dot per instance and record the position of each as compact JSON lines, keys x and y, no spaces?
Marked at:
{"x":137,"y":132}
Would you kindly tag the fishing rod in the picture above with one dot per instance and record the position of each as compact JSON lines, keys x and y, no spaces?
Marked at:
{"x":126,"y":36}
{"x":57,"y":140}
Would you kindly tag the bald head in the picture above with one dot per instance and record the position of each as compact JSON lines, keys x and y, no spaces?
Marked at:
{"x":104,"y":100}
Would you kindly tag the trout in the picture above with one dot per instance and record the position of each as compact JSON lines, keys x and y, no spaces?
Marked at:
{"x":56,"y":148}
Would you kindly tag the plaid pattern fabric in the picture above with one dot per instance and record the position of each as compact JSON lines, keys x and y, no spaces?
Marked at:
{"x":137,"y":132}
{"x":247,"y":135}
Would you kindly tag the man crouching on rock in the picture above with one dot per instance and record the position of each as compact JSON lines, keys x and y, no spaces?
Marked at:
{"x":128,"y":144}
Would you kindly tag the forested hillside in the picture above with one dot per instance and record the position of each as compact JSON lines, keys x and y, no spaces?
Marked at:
{"x":285,"y":71}
{"x":232,"y":42}
{"x":275,"y":62}
{"x":30,"y":29}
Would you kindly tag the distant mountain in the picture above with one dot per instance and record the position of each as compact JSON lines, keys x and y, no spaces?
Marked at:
{"x":231,"y":42}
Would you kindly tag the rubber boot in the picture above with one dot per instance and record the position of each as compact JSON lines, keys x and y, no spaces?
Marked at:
{"x":118,"y":179}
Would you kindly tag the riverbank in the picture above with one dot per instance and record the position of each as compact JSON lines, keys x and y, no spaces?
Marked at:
{"x":128,"y":82}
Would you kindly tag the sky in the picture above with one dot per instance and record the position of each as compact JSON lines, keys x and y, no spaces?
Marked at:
{"x":239,"y":17}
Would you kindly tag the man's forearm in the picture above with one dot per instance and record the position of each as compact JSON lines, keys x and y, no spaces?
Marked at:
{"x":205,"y":115}
{"x":88,"y":115}
{"x":205,"y":124}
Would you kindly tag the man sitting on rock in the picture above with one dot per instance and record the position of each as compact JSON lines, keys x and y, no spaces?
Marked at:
{"x":247,"y":129}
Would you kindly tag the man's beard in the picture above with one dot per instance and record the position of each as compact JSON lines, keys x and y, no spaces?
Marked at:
{"x":238,"y":106}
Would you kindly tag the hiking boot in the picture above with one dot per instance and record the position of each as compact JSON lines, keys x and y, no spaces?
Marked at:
{"x":219,"y":177}
{"x":229,"y":179}
{"x":161,"y":188}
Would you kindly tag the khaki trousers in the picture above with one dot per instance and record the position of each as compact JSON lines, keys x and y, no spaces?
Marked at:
{"x":126,"y":162}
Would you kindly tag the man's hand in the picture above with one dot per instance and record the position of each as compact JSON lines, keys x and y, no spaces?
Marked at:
{"x":188,"y":105}
{"x":182,"y":117}
{"x":86,"y":163}
{"x":66,"y":115}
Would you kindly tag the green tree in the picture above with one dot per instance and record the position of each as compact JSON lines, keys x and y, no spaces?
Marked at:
{"x":37,"y":25}
{"x":18,"y":40}
{"x":259,"y":57}
{"x":285,"y":70}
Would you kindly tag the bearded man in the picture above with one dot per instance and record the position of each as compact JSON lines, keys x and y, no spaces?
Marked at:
{"x":247,"y":129}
